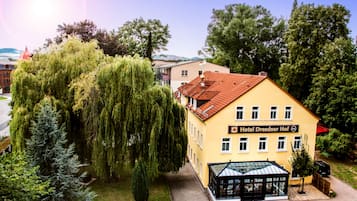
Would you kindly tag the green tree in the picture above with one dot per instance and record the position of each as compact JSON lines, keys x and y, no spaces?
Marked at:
{"x":247,"y":39}
{"x":333,"y":93}
{"x":310,"y":29}
{"x":57,"y":164}
{"x":19,"y":181}
{"x":138,"y":33}
{"x":135,"y":118}
{"x":140,"y":182}
{"x":335,"y":143}
{"x":302,"y":164}
{"x":87,"y":31}
{"x":50,"y":74}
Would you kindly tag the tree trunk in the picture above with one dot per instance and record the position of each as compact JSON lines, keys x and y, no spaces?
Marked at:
{"x":302,"y":186}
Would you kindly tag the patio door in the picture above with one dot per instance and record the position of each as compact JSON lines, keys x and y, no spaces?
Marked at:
{"x":252,"y":189}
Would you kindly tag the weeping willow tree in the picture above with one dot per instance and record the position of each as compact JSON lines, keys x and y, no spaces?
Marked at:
{"x":49,"y":74}
{"x":136,"y":119}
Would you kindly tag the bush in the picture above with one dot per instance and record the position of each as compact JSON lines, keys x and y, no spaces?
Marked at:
{"x":139,"y":183}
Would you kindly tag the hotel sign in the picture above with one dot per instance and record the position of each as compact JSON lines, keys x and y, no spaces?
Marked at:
{"x":264,"y":129}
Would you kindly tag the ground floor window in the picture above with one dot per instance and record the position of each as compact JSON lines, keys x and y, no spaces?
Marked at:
{"x":247,"y":180}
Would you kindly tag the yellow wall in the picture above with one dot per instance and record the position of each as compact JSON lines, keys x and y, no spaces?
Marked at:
{"x":264,"y":95}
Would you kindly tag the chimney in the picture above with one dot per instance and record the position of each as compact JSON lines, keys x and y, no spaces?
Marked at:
{"x":202,"y":80}
{"x":263,"y":73}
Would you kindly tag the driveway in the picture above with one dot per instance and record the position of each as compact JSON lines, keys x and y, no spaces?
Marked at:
{"x":184,"y":185}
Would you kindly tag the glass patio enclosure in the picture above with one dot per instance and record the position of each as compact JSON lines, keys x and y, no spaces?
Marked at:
{"x":256,"y":180}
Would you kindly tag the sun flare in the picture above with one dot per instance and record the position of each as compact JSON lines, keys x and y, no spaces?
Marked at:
{"x":43,"y":8}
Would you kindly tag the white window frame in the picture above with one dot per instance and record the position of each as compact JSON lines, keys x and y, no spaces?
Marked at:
{"x":299,"y":141}
{"x":253,"y":111}
{"x":265,"y":142}
{"x":284,"y":141}
{"x":291,"y":112}
{"x":276,"y":112}
{"x":242,"y":111}
{"x":223,"y":141}
{"x":246,"y":144}
{"x":184,"y":73}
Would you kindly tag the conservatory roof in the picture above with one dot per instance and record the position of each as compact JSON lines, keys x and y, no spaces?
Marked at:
{"x":247,"y":168}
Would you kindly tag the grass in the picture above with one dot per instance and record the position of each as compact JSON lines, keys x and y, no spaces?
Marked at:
{"x":120,"y":191}
{"x":343,"y":170}
{"x":2,"y":98}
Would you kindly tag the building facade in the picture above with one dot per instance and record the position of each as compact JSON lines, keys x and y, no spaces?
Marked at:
{"x":5,"y":76}
{"x":241,"y":133}
{"x":177,"y":74}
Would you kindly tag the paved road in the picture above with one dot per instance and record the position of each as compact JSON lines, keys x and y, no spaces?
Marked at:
{"x":344,"y":192}
{"x":184,"y":185}
{"x":4,"y":115}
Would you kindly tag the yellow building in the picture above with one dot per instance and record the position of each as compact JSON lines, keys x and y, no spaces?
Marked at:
{"x":241,"y":132}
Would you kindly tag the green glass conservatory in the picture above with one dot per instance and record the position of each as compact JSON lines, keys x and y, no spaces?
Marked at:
{"x":255,"y":180}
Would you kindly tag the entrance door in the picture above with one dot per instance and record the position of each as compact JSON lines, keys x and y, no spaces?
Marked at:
{"x":252,"y":189}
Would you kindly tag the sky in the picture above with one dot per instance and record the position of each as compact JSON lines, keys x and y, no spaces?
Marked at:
{"x":27,"y":23}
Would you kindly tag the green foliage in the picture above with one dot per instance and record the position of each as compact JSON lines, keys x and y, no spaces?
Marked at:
{"x":144,"y":37}
{"x":302,"y":164}
{"x":50,"y":74}
{"x":87,"y":31}
{"x":136,"y":120}
{"x":310,"y":29}
{"x":333,"y":94}
{"x":335,"y":143}
{"x":19,"y":181}
{"x":140,"y":182}
{"x":57,"y":164}
{"x":247,"y":39}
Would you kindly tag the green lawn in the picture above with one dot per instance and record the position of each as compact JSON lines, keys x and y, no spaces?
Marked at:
{"x":2,"y":98}
{"x":120,"y":191}
{"x":344,"y":170}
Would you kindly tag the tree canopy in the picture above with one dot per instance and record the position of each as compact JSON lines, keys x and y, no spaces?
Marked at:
{"x":333,"y":92}
{"x":110,"y":107}
{"x":247,"y":39}
{"x":86,"y":31}
{"x":144,"y":37}
{"x":310,"y":29}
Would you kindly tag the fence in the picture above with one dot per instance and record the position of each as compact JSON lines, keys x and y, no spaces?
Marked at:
{"x":321,"y":183}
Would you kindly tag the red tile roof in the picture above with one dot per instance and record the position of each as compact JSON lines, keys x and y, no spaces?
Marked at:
{"x":219,"y":89}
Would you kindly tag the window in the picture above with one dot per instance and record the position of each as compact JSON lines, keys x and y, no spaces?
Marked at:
{"x":239,"y":113}
{"x":273,"y":111}
{"x":226,"y":142}
{"x":294,"y":175}
{"x":262,"y":144}
{"x":281,"y":143}
{"x":200,"y":72}
{"x":243,"y":144}
{"x":297,"y":142}
{"x":255,"y":112}
{"x":184,"y":73}
{"x":288,"y":113}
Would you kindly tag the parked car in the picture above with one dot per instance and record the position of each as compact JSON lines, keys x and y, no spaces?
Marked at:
{"x":322,"y":168}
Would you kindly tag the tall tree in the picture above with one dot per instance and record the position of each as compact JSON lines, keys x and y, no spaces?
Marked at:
{"x":57,"y":163}
{"x":135,"y":118}
{"x":51,"y":73}
{"x":86,"y":31}
{"x":247,"y":39}
{"x":302,"y":164}
{"x":137,"y":33}
{"x":19,"y":181}
{"x":310,"y":29}
{"x":333,"y":92}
